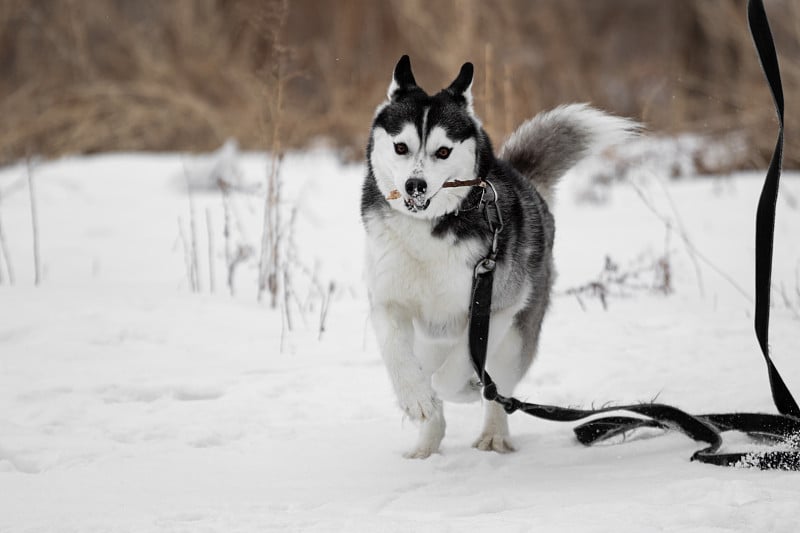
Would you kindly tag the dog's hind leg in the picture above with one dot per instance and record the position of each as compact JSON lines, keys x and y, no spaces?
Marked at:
{"x":507,"y":364}
{"x":495,"y":436}
{"x":455,"y":380}
{"x":504,"y":365}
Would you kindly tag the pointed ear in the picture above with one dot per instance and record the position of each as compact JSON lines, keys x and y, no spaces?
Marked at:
{"x":403,"y":78}
{"x":462,"y":85}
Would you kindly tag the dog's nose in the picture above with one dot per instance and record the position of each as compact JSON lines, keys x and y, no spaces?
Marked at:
{"x":416,"y":186}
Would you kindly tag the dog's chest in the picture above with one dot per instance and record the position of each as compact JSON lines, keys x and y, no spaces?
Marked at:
{"x":407,"y":265}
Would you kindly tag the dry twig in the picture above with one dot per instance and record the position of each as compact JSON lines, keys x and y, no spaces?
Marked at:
{"x":4,"y":249}
{"x":210,"y":238}
{"x":37,"y":266}
{"x":612,"y":280}
{"x":690,"y":246}
{"x":269,"y":262}
{"x":187,"y":256}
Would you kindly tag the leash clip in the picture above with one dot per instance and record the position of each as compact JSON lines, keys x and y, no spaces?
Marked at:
{"x":484,"y":266}
{"x":495,"y":229}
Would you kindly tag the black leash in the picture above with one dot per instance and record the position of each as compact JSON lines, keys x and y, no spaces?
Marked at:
{"x":778,"y":429}
{"x":765,"y":213}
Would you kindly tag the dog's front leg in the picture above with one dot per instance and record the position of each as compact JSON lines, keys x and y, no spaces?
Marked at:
{"x":455,"y":380}
{"x":395,"y":333}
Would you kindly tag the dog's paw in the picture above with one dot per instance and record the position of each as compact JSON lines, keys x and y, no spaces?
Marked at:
{"x":421,"y":452}
{"x":492,"y":442}
{"x":431,"y":433}
{"x":419,"y":403}
{"x":420,"y":409}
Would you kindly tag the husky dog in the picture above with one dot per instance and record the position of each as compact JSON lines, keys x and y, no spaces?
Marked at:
{"x":424,"y":240}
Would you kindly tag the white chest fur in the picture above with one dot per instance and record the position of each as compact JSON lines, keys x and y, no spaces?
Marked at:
{"x":430,"y":277}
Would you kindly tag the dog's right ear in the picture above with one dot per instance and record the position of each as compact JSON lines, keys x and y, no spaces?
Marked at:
{"x":403,"y":80}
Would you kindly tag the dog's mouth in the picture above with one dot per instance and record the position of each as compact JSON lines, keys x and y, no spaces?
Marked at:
{"x":417,"y":202}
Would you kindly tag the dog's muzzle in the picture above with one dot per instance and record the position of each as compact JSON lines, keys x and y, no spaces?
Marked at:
{"x":417,"y":203}
{"x":416,"y":200}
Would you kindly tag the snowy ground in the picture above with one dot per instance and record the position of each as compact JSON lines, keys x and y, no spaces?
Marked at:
{"x":129,"y":403}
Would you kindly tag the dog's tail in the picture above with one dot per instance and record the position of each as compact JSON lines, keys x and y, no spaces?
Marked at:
{"x":546,"y":146}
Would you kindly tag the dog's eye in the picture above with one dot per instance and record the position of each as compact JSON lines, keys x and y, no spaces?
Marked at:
{"x":443,"y":152}
{"x":400,"y":148}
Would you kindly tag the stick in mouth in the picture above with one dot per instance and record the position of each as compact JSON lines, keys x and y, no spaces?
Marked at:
{"x":464,"y":183}
{"x":394,"y":194}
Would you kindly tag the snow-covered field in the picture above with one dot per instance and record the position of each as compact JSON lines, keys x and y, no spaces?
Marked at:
{"x":130,"y":403}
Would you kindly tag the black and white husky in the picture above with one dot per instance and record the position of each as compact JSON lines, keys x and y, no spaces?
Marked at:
{"x":424,"y":240}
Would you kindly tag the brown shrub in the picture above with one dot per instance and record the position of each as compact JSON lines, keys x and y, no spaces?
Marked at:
{"x":83,"y":77}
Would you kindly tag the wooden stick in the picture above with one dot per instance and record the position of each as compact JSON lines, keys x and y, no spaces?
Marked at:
{"x":478,"y":182}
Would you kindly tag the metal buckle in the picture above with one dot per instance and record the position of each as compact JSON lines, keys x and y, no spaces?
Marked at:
{"x":495,"y":229}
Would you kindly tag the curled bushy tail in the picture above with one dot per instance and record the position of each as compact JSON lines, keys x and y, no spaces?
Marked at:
{"x":543,"y":148}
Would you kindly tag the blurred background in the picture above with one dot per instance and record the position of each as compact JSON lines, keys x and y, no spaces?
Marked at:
{"x":81,"y":76}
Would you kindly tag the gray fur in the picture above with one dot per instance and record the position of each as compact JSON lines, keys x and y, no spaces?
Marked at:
{"x":545,"y":147}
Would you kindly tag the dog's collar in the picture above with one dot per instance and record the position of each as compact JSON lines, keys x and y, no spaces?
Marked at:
{"x":474,"y":198}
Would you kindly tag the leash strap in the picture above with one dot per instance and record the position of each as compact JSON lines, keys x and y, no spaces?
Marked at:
{"x":783,"y":429}
{"x":765,"y":213}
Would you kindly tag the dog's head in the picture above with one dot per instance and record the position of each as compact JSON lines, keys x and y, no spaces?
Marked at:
{"x":419,"y":142}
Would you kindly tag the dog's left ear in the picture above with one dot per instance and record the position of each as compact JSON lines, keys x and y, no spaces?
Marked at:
{"x":462,"y":85}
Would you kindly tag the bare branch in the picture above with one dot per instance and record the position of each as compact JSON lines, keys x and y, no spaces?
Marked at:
{"x":614,"y":281}
{"x":193,"y":230}
{"x":323,"y":315}
{"x":210,"y":238}
{"x":4,"y":250}
{"x":187,"y":255}
{"x":37,"y":266}
{"x":690,"y":247}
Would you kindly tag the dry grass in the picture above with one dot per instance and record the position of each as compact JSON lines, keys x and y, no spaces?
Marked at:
{"x":83,"y":77}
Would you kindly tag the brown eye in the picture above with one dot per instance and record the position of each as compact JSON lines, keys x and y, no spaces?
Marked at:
{"x":400,"y":148}
{"x":443,"y":152}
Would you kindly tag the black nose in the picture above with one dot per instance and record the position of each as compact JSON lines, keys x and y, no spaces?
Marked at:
{"x":416,"y":186}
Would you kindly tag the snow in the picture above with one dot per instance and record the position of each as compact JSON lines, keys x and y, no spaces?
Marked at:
{"x":130,"y":403}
